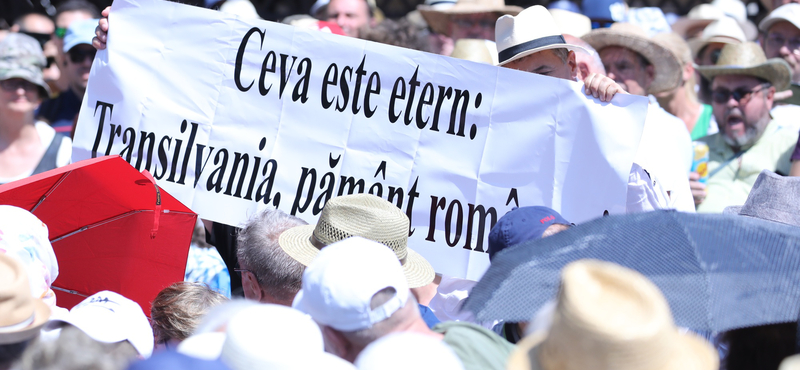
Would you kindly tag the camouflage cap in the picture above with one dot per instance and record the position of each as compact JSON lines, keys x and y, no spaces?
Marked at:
{"x":21,"y":57}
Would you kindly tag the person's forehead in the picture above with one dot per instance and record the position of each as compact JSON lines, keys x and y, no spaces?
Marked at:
{"x":735,"y":81}
{"x":348,"y":6}
{"x":617,"y":53}
{"x":784,"y":28}
{"x":66,"y":18}
{"x":538,"y":59}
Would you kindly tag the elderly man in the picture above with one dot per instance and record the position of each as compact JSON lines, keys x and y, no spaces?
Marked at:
{"x":782,"y":40}
{"x":467,"y":19}
{"x":269,"y":275}
{"x":682,"y":101}
{"x":351,"y":15}
{"x":743,"y":84}
{"x":643,"y":67}
{"x":357,"y":291}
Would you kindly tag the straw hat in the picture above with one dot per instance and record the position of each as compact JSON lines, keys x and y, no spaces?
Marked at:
{"x":610,"y":317}
{"x":476,"y":50}
{"x":748,"y":59}
{"x":533,"y":30}
{"x":21,"y":316}
{"x":704,"y":14}
{"x":667,"y":67}
{"x":363,"y":215}
{"x":571,"y":23}
{"x":439,"y":18}
{"x":724,"y":30}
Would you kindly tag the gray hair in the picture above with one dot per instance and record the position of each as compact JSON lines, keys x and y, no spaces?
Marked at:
{"x":562,"y":54}
{"x":74,"y":350}
{"x":362,"y":338}
{"x":259,"y":251}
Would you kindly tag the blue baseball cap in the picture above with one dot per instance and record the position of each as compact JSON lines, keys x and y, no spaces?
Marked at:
{"x":520,"y":225}
{"x":80,"y":32}
{"x":605,"y":12}
{"x":565,"y":5}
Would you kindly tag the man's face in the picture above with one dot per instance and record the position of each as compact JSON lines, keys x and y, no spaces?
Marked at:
{"x":77,"y":65}
{"x":625,"y":67}
{"x":349,"y":14}
{"x":62,"y":23}
{"x":783,"y":41}
{"x":546,"y":63}
{"x":473,"y":26}
{"x":710,"y":54}
{"x":741,"y":106}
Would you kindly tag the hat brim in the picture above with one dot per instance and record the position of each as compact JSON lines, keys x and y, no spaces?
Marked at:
{"x":44,"y":89}
{"x":691,"y":353}
{"x":683,"y":25}
{"x":697,"y":44}
{"x":732,"y":210}
{"x":774,"y":70}
{"x":439,"y":19}
{"x":542,"y":48}
{"x":667,"y":67}
{"x":41,"y":313}
{"x":296,"y":242}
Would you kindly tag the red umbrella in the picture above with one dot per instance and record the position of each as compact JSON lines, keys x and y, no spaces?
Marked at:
{"x":111,"y":228}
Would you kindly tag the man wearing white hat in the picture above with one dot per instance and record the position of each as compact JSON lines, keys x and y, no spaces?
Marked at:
{"x":357,"y":292}
{"x":645,"y":67}
{"x":781,"y":29}
{"x":706,"y":48}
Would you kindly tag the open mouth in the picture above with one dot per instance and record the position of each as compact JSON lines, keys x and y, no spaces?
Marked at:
{"x":735,"y":122}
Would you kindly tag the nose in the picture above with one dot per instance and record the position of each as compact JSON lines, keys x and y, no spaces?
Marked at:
{"x":784,"y":51}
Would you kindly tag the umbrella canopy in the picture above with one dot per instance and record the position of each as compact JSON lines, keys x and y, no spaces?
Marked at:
{"x":718,"y":272}
{"x":111,"y":228}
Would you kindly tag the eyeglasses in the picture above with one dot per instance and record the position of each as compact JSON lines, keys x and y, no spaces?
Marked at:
{"x":741,"y":95}
{"x":78,"y":55}
{"x":15,"y":84}
{"x":777,"y":41}
{"x":239,"y":271}
{"x":61,"y":32}
{"x":50,"y":61}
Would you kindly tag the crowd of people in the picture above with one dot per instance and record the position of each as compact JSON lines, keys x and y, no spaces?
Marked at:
{"x":720,"y":135}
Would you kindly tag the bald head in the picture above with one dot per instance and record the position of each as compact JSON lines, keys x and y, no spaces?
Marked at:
{"x":587,"y":63}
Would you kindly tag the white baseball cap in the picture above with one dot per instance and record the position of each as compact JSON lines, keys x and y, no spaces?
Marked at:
{"x":109,"y":317}
{"x":392,"y":353}
{"x":339,"y":284}
{"x":788,"y":12}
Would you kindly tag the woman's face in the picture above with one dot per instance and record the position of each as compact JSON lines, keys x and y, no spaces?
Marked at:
{"x":18,"y":95}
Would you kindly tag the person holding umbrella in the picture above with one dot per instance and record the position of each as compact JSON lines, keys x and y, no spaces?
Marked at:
{"x":27,"y":147}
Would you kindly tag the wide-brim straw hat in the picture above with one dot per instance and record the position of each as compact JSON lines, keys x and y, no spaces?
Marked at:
{"x":725,"y":30}
{"x":21,"y":315}
{"x":668,"y":69}
{"x":476,"y":50}
{"x":748,"y":59}
{"x":611,"y":317}
{"x":531,"y":31}
{"x":703,"y":15}
{"x":363,"y":215}
{"x":439,"y":18}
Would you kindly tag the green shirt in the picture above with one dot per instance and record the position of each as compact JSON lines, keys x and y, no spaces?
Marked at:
{"x":477,"y":348}
{"x":703,"y":123}
{"x":731,"y":185}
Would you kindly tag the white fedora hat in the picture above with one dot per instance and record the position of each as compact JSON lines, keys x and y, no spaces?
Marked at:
{"x":610,"y":317}
{"x":531,"y":31}
{"x":725,"y":30}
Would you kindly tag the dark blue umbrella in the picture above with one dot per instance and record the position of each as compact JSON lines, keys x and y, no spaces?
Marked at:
{"x":718,"y":272}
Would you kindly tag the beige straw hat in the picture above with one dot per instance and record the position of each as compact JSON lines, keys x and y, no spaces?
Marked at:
{"x":609,"y":317}
{"x":630,"y":36}
{"x":439,"y":18}
{"x":21,"y":315}
{"x":363,"y":215}
{"x":531,"y":31}
{"x":748,"y":59}
{"x":476,"y":50}
{"x":725,"y":30}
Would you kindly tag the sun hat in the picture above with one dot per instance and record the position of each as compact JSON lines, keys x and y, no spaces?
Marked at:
{"x":391,"y":352}
{"x":626,"y":35}
{"x":205,"y":346}
{"x":363,"y":215}
{"x":773,"y":197}
{"x":80,"y":32}
{"x":109,"y":317}
{"x":790,"y":363}
{"x":610,"y":317}
{"x":26,"y":237}
{"x":338,"y":286}
{"x":724,"y":30}
{"x":241,"y":8}
{"x":439,"y":18}
{"x":748,"y":59}
{"x":789,"y":13}
{"x":571,"y":23}
{"x":676,"y":45}
{"x":440,"y":4}
{"x":476,"y":50}
{"x":269,"y":336}
{"x":21,"y":315}
{"x":531,"y":31}
{"x":520,"y":225}
{"x":21,"y":56}
{"x":703,"y":15}
{"x":176,"y":361}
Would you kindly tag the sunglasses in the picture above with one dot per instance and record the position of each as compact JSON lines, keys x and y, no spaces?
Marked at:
{"x":50,"y":62}
{"x":42,"y":38}
{"x":741,"y":95}
{"x":77,"y":55}
{"x":15,"y":84}
{"x":61,"y":32}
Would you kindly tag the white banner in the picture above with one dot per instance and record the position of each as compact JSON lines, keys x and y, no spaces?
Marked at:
{"x":234,"y":115}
